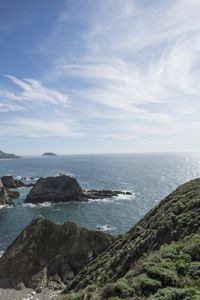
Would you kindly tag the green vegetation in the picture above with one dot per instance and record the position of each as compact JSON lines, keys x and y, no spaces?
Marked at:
{"x":172,"y":273}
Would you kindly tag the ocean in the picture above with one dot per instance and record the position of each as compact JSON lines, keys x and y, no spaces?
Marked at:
{"x":149,"y":177}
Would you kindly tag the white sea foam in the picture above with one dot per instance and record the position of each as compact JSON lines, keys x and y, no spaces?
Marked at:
{"x":124,"y":196}
{"x":46,"y":204}
{"x":64,"y":173}
{"x":120,"y":197}
{"x":106,"y":227}
{"x":29,"y":205}
{"x":18,"y":177}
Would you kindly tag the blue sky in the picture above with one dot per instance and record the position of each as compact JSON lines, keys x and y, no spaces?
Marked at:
{"x":99,"y":76}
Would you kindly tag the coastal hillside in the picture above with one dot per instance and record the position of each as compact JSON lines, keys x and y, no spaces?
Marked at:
{"x":175,"y":221}
{"x":172,"y":273}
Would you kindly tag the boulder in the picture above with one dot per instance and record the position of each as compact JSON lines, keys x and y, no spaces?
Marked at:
{"x":65,"y":188}
{"x":49,"y":254}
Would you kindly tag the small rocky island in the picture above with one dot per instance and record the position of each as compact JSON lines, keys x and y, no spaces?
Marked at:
{"x":4,"y":155}
{"x":49,"y":154}
{"x":64,"y":189}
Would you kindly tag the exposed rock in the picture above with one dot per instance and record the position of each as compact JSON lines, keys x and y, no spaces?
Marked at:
{"x":4,"y":155}
{"x":64,"y":189}
{"x":48,"y":254}
{"x":11,"y":183}
{"x":49,"y":154}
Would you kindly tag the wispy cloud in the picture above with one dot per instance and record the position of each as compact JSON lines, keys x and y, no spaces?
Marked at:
{"x":33,"y":90}
{"x":38,"y":128}
{"x":140,"y":62}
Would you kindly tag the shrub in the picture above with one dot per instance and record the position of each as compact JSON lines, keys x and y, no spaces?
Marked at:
{"x":120,"y":289}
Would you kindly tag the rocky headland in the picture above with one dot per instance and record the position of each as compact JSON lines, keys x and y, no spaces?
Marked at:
{"x":158,"y":259}
{"x":64,"y":189}
{"x":4,"y":155}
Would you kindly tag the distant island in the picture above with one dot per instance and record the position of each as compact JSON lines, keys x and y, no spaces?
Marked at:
{"x":4,"y":155}
{"x":49,"y":154}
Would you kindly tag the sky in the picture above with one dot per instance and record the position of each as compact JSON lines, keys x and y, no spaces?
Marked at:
{"x":109,"y":76}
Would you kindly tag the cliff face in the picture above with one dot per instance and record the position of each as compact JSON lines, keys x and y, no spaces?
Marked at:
{"x":174,"y":218}
{"x":48,"y":254}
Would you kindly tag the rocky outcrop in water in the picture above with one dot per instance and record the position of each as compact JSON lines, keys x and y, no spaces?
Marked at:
{"x":64,"y":189}
{"x":6,"y":195}
{"x":11,"y":183}
{"x":4,"y":155}
{"x":48,"y":254}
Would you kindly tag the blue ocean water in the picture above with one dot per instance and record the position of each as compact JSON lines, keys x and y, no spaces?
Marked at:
{"x":149,"y":177}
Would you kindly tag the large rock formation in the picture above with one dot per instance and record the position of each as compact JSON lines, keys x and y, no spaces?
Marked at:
{"x":63,"y":189}
{"x":4,"y":155}
{"x":56,"y":189}
{"x":47,"y":254}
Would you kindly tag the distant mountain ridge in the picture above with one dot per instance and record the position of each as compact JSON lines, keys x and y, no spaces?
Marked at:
{"x":4,"y":155}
